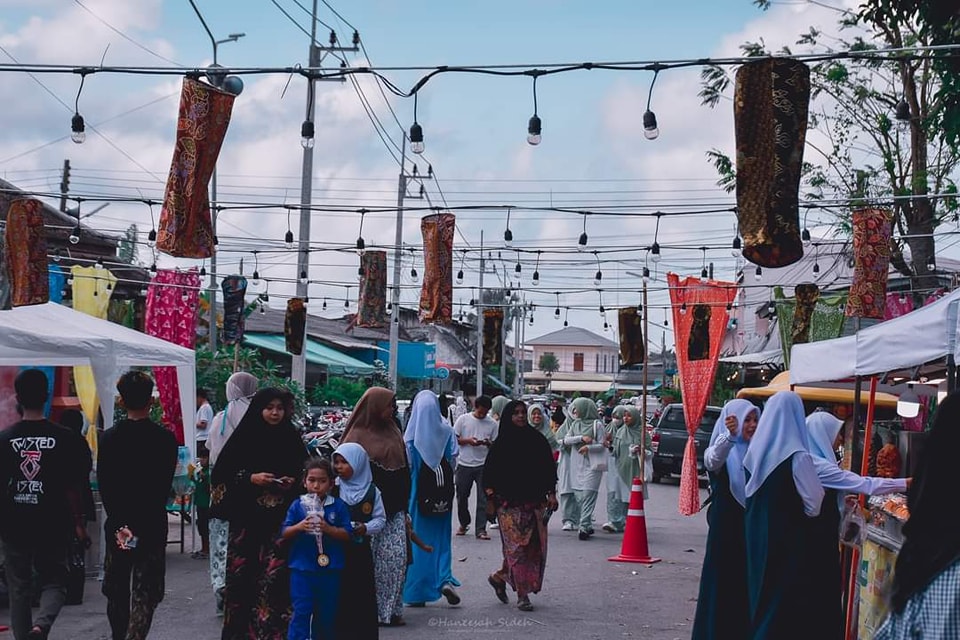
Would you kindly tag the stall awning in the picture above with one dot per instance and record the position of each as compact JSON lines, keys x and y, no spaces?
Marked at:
{"x":497,"y":383}
{"x":317,"y":353}
{"x":626,"y":386}
{"x":587,"y":386}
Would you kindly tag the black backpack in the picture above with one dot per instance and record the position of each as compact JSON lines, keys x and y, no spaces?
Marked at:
{"x":435,"y":489}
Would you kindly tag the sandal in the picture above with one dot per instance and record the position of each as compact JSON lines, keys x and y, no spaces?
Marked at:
{"x":483,"y":536}
{"x":462,"y":531}
{"x":500,"y":587}
{"x":524,"y":604}
{"x":397,"y":621}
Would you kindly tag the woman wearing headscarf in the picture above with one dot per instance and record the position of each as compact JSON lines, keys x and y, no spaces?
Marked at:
{"x":613,"y":503}
{"x":825,"y":560}
{"x":583,"y":440}
{"x":569,"y":507}
{"x":429,"y":441}
{"x":373,"y":426}
{"x":241,"y":387}
{"x":627,"y":446}
{"x":723,"y":610}
{"x":252,"y":485}
{"x":357,"y":583}
{"x":783,"y":495}
{"x":926,"y":581}
{"x":520,"y":479}
{"x":499,"y":402}
{"x":537,"y":418}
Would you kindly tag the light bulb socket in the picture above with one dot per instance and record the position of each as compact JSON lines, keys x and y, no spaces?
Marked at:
{"x":736,"y":246}
{"x":518,"y":268}
{"x":650,"y":129}
{"x":203,"y":272}
{"x":704,"y":274}
{"x":816,"y":267}
{"x":646,"y":273}
{"x":508,"y":236}
{"x":416,"y":138}
{"x":805,"y":236}
{"x":582,"y":241}
{"x":903,"y":110}
{"x":598,"y":277}
{"x":758,"y":274}
{"x":534,"y":129}
{"x":77,"y":129}
{"x":536,"y":277}
{"x":460,"y":276}
{"x":288,"y":239}
{"x":303,"y":277}
{"x":152,"y":236}
{"x":75,"y":235}
{"x":307,"y":132}
{"x":655,"y":252}
{"x":361,"y":244}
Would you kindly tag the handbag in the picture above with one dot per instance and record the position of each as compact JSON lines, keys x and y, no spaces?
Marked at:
{"x":597,"y":454}
{"x":435,"y":489}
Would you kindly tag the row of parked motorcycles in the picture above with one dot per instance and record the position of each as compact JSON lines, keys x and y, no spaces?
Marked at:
{"x":323,"y":432}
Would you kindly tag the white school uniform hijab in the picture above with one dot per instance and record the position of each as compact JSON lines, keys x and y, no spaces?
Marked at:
{"x":355,"y":488}
{"x":824,"y":429}
{"x":740,"y":409}
{"x":781,"y":433}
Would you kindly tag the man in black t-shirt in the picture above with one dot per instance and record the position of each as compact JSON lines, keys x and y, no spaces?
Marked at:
{"x":42,"y":467}
{"x":135,"y":470}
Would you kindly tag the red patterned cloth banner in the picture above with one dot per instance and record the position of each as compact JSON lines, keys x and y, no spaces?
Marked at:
{"x":295,"y":325}
{"x":436,"y":295}
{"x":185,"y":229}
{"x":898,"y":304}
{"x":492,"y":336}
{"x":372,"y":305}
{"x":172,"y":303}
{"x":26,"y":257}
{"x":699,"y":323}
{"x":871,"y":256}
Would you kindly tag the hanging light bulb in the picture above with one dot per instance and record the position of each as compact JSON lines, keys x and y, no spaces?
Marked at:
{"x":582,"y":242}
{"x":683,"y":308}
{"x":771,"y":309}
{"x":263,"y":311}
{"x":518,"y":269}
{"x":903,"y":111}
{"x":606,"y":327}
{"x":597,"y":278}
{"x":416,"y":138}
{"x":360,"y":274}
{"x":729,"y":306}
{"x":57,"y":255}
{"x":816,"y":267}
{"x":413,"y":273}
{"x":534,"y":128}
{"x":603,"y":310}
{"x":646,"y":274}
{"x":75,"y":235}
{"x":306,"y":134}
{"x":736,"y":246}
{"x":306,"y":301}
{"x":77,"y":129}
{"x":324,"y":304}
{"x":256,"y":278}
{"x":704,"y":274}
{"x":536,"y":278}
{"x":805,"y":237}
{"x":203,"y":271}
{"x":639,"y":308}
{"x":288,"y":239}
{"x":303,"y":277}
{"x":390,"y":308}
{"x":758,"y":274}
{"x":460,"y":276}
{"x":508,"y":238}
{"x":152,"y":238}
{"x":361,"y":245}
{"x":556,"y":313}
{"x":650,"y":129}
{"x":153,"y":268}
{"x":655,"y":252}
{"x":931,"y":265}
{"x":531,"y":319}
{"x":98,"y":264}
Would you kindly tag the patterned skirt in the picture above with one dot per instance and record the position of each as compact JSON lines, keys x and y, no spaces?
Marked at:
{"x":257,"y":594}
{"x":523,"y":533}
{"x":390,"y":566}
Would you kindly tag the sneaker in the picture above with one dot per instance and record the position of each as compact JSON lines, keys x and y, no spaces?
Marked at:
{"x":448,"y":592}
{"x":584,"y":535}
{"x":524,"y":604}
{"x":608,"y":527}
{"x":494,"y":525}
{"x":567,"y":526}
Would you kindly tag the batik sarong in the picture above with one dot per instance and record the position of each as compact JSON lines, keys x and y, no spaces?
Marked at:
{"x":523,"y":534}
{"x":871,"y":261}
{"x":631,"y":336}
{"x":172,"y":303}
{"x":770,"y":117}
{"x":26,"y":247}
{"x":234,"y":318}
{"x":436,"y":295}
{"x":807,"y":296}
{"x":492,"y":336}
{"x":185,"y":228}
{"x":372,"y":305}
{"x":295,"y":325}
{"x":825,"y":323}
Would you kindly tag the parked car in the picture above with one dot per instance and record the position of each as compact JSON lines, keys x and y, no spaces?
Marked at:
{"x":670,"y":439}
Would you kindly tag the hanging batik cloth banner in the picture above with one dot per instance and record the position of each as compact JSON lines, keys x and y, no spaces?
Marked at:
{"x":91,"y":288}
{"x":699,"y":324}
{"x":770,"y":120}
{"x":436,"y":295}
{"x":818,"y":317}
{"x":492,"y":336}
{"x":185,"y":229}
{"x":871,"y":261}
{"x":26,"y":256}
{"x":172,"y":303}
{"x":372,"y":304}
{"x":234,"y":316}
{"x":295,"y":325}
{"x":897,"y":304}
{"x":631,"y":336}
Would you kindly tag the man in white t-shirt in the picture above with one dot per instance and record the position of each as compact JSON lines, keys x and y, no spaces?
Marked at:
{"x":475,"y":433}
{"x":204,"y":415}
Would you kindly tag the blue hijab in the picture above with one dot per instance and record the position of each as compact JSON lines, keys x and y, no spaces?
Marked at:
{"x":426,"y":430}
{"x":781,"y":432}
{"x":739,"y":409}
{"x":824,"y":428}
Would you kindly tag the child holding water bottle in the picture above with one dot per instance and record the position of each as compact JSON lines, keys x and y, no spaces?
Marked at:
{"x":319,"y":526}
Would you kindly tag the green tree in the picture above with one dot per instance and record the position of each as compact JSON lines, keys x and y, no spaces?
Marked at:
{"x":338,"y":391}
{"x":380,"y":376}
{"x":127,"y":248}
{"x":869,"y":153}
{"x":549,"y":364}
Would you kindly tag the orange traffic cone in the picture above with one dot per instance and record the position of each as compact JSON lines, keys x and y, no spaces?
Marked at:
{"x":634,"y":548}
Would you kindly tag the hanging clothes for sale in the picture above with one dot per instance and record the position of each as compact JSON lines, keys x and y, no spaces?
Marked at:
{"x":897,"y":304}
{"x":57,"y":281}
{"x":185,"y":229}
{"x":26,"y":253}
{"x":372,"y":304}
{"x":234,"y":309}
{"x":825,"y":321}
{"x":436,"y":295}
{"x":172,"y":304}
{"x":699,"y":324}
{"x":771,"y":101}
{"x":807,"y":295}
{"x":123,"y":312}
{"x":631,"y":336}
{"x":871,"y":261}
{"x":295,"y":325}
{"x":4,"y":278}
{"x":492,"y":336}
{"x":91,"y":290}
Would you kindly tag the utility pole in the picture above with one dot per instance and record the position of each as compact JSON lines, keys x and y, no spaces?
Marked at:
{"x":64,"y":186}
{"x":480,"y":322}
{"x":298,"y":365}
{"x":402,"y":183}
{"x":517,"y":359}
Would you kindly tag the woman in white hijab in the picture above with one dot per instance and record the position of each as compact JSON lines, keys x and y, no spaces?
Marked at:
{"x":429,"y":442}
{"x":783,"y":496}
{"x":824,"y":436}
{"x":241,"y":387}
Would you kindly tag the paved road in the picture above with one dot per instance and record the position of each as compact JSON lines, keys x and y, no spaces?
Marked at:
{"x":584,"y":595}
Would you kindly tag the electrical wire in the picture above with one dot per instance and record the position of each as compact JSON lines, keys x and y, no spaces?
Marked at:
{"x":125,"y":36}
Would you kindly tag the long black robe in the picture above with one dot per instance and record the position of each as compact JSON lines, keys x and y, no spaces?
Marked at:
{"x":780,"y":579}
{"x":825,"y":567}
{"x":722,"y":608}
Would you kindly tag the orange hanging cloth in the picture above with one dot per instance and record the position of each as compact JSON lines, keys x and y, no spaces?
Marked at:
{"x":436,"y":296}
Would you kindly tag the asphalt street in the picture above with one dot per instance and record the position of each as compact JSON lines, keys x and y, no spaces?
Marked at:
{"x":584,"y":595}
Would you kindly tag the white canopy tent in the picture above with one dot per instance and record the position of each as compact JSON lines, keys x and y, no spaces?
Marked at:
{"x":924,"y":335}
{"x":54,"y":335}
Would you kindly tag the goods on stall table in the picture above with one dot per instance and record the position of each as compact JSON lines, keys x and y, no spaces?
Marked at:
{"x":889,"y":462}
{"x":875,"y":578}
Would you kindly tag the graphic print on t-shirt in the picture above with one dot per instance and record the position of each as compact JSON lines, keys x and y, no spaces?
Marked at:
{"x":31,"y":451}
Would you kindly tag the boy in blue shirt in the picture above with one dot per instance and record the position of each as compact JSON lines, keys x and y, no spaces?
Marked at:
{"x":319,"y":525}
